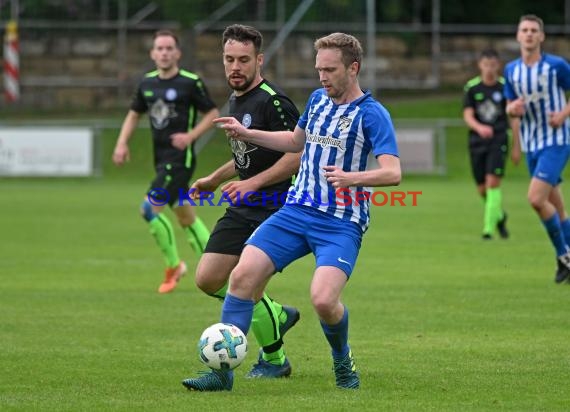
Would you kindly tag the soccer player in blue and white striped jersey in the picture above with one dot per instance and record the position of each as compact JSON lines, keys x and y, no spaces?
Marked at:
{"x":340,"y":127}
{"x":535,"y":89}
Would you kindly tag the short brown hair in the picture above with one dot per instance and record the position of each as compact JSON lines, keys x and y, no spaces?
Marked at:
{"x":243,"y":34}
{"x":348,"y":45}
{"x":489,"y":54}
{"x":169,"y":33}
{"x":535,"y":18}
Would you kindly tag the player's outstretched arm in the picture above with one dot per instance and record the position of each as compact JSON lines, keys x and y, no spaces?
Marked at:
{"x":282,"y":141}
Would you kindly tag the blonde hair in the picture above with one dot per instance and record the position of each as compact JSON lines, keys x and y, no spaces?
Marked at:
{"x":348,"y":45}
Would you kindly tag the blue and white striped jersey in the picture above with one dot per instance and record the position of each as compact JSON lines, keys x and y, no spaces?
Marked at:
{"x":543,"y":87}
{"x":341,"y":135}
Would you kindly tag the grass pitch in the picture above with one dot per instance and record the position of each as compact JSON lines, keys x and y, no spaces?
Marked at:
{"x":440,"y":320}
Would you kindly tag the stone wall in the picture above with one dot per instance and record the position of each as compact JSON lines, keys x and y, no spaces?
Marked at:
{"x":68,"y":71}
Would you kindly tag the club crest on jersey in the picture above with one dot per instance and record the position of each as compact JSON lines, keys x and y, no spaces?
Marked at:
{"x":497,"y":96}
{"x":343,"y":123}
{"x":246,"y":121}
{"x":170,"y":94}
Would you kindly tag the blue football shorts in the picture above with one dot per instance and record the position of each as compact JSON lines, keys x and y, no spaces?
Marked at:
{"x":548,"y":164}
{"x":295,"y":231}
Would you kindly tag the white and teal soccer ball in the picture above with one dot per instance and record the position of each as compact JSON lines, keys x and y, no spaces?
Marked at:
{"x":222,"y":346}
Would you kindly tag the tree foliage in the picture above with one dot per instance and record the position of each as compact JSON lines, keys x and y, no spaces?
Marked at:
{"x":190,"y":12}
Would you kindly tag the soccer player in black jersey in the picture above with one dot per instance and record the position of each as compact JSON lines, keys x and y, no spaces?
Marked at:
{"x":484,"y":113}
{"x":172,"y":97}
{"x":265,"y":173}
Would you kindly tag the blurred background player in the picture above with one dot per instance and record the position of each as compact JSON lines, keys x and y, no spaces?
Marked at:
{"x":535,"y":89}
{"x":261,"y":105}
{"x":484,"y":113}
{"x":172,"y":97}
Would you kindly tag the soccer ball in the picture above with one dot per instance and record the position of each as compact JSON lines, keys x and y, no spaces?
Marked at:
{"x":222,"y":346}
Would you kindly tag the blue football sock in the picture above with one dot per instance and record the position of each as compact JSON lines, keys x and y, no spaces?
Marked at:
{"x":238,"y":312}
{"x":565,"y":225}
{"x":554,"y":230}
{"x":337,"y":335}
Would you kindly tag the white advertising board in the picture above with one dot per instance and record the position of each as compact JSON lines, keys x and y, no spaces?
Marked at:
{"x":417,"y":148}
{"x":46,"y":151}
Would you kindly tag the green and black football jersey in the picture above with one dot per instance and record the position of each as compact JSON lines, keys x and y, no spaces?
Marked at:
{"x":489,"y":105}
{"x":172,"y":105}
{"x":265,"y":107}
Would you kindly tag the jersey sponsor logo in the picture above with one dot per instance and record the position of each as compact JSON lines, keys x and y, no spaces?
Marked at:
{"x":160,"y":113}
{"x":246,"y":121}
{"x":326,"y":141}
{"x":171,"y":94}
{"x":344,"y":123}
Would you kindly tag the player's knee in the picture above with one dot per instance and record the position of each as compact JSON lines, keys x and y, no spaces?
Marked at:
{"x":146,"y":211}
{"x":237,"y":278}
{"x":536,"y":202}
{"x":240,"y":282}
{"x":205,"y":286}
{"x":322,"y":304}
{"x":205,"y":283}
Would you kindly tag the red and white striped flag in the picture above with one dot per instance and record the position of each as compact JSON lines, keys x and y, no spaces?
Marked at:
{"x":11,"y":63}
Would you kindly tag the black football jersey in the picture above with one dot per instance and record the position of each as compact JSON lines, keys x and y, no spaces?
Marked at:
{"x":489,"y":105}
{"x":172,"y":105}
{"x":265,"y":107}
